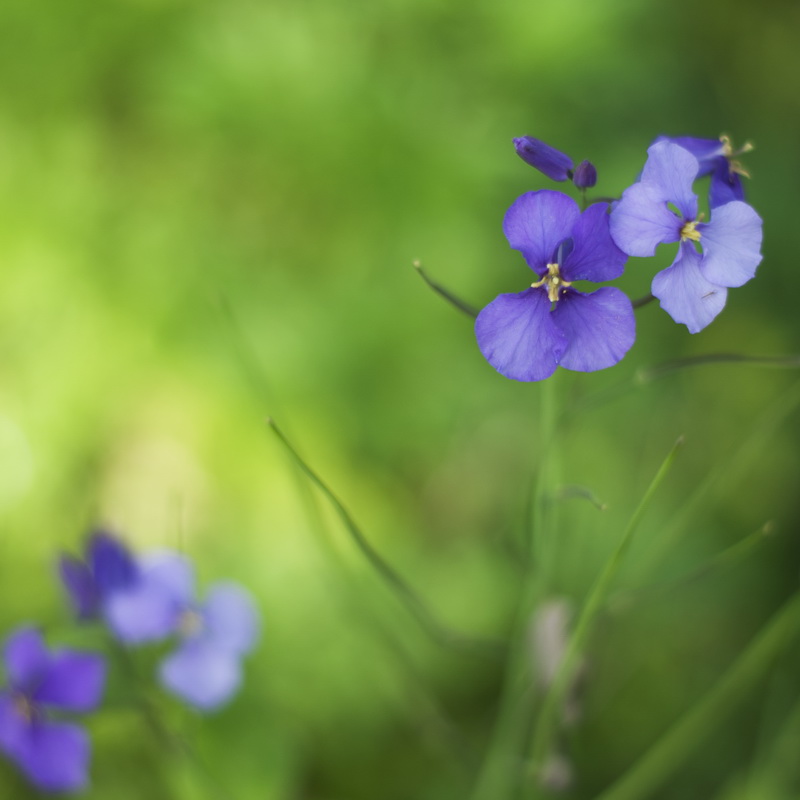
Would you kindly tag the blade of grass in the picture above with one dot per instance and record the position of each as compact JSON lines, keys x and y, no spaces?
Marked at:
{"x":686,"y":736}
{"x":547,"y":721}
{"x":441,"y":633}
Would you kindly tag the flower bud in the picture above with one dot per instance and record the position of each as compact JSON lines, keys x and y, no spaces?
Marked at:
{"x":553,"y":163}
{"x":585,"y":175}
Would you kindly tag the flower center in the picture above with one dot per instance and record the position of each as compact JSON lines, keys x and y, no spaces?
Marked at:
{"x":23,"y":706}
{"x":689,"y":231}
{"x":190,"y":623}
{"x":554,"y":283}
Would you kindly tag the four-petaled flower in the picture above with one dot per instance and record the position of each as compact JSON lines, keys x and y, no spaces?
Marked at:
{"x":205,"y":669}
{"x":694,"y":289}
{"x":53,"y":755}
{"x":526,"y":336}
{"x":717,"y":157}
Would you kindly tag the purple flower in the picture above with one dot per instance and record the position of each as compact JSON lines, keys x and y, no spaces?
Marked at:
{"x":694,"y":289}
{"x":717,"y":157}
{"x":108,"y":567}
{"x":526,"y":336}
{"x":205,"y":669}
{"x":53,"y":755}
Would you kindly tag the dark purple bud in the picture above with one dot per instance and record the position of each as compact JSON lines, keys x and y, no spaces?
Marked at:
{"x":553,"y":163}
{"x":585,"y":175}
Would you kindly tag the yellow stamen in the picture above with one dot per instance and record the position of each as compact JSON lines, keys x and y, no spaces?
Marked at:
{"x":23,"y":706}
{"x":190,"y":623}
{"x":734,"y":166}
{"x":553,"y":282}
{"x":688,"y":231}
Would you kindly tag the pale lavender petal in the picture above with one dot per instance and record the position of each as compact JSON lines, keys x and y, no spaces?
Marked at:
{"x":517,"y":336}
{"x":231,"y":618}
{"x":201,"y":674}
{"x":146,"y":613}
{"x":594,"y":256}
{"x":55,"y":757}
{"x":600,"y":328}
{"x":673,"y":169}
{"x":73,"y":682}
{"x":685,"y":294}
{"x":81,"y":588}
{"x":13,"y":725}
{"x":641,"y":220}
{"x":537,"y":223}
{"x":172,"y":571}
{"x":731,"y":244}
{"x":26,"y":658}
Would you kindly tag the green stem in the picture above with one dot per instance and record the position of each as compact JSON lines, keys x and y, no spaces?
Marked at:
{"x":440,"y":633}
{"x":777,"y":362}
{"x":686,"y":737}
{"x":503,"y":764}
{"x":554,"y":699}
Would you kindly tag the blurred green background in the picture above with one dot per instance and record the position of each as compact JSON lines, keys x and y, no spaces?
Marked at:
{"x":209,"y":216}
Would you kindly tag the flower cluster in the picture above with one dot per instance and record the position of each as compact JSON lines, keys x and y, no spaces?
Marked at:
{"x":527,"y":335}
{"x":140,"y":600}
{"x":151,"y":599}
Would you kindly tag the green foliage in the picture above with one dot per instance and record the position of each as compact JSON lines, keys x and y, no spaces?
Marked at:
{"x":210,"y":214}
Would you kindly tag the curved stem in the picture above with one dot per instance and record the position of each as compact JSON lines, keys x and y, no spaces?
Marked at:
{"x":643,"y":301}
{"x":460,"y":304}
{"x":439,"y":632}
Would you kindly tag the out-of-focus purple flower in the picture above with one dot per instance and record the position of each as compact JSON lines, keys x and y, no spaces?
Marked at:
{"x":526,"y":336}
{"x":718,"y":158}
{"x":108,"y":567}
{"x":53,"y":755}
{"x":585,"y":176}
{"x":205,"y":669}
{"x":694,"y":289}
{"x":553,"y":163}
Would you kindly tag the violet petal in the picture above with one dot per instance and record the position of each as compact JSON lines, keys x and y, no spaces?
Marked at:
{"x":26,"y":658}
{"x":112,"y":566}
{"x":726,"y":186}
{"x":600,"y":328}
{"x":56,"y":756}
{"x":517,"y":336}
{"x":537,"y":223}
{"x":594,"y":257}
{"x":13,"y":726}
{"x":73,"y":682}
